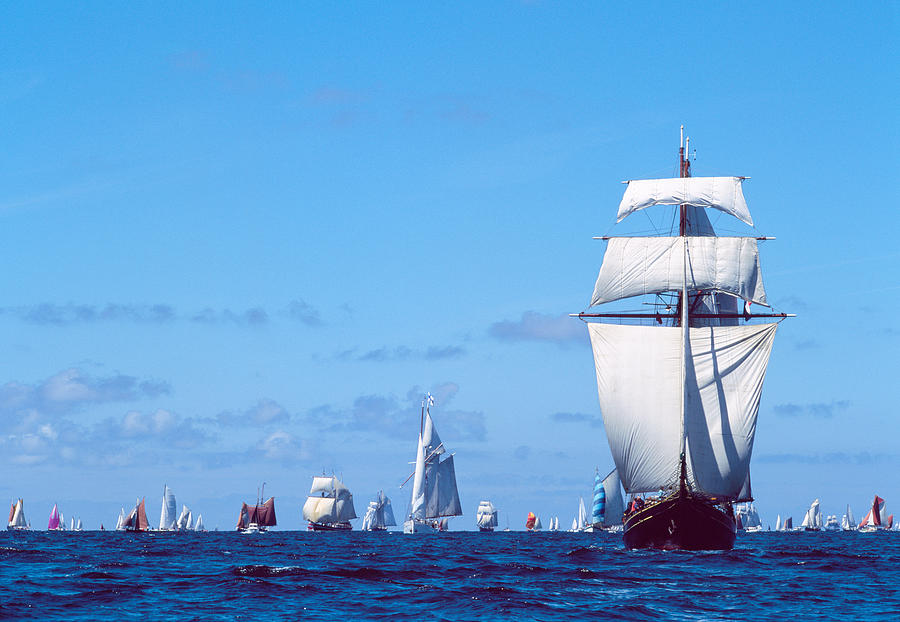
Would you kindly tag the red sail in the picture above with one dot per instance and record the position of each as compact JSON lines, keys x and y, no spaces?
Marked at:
{"x":142,"y":523}
{"x":531,"y":520}
{"x":263,"y":515}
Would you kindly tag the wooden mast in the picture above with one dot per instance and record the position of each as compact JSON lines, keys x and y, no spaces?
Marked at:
{"x":684,"y":167}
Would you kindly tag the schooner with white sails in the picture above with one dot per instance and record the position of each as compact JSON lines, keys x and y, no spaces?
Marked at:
{"x":680,"y":383}
{"x":435,"y":497}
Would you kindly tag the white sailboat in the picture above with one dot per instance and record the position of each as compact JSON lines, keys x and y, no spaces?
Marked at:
{"x":120,"y":522}
{"x":167,"y":519}
{"x":778,"y":523}
{"x":847,"y":521}
{"x":582,"y":516}
{"x":812,"y":521}
{"x":329,"y":506}
{"x":185,"y":519}
{"x":486,"y":516}
{"x":17,"y":520}
{"x":379,"y":515}
{"x":199,"y":526}
{"x":78,"y":525}
{"x":434,"y":493}
{"x":574,"y":525}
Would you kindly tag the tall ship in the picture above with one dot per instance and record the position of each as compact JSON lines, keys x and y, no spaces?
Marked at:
{"x":486,"y":516}
{"x":747,"y":518}
{"x":329,"y":506}
{"x":379,"y":515}
{"x":257,"y":518}
{"x":679,"y":379}
{"x":434,"y":497}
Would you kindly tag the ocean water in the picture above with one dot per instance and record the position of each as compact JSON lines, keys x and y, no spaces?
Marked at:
{"x":449,"y":576}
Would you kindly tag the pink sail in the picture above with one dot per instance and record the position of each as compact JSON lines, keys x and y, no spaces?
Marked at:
{"x":53,"y":523}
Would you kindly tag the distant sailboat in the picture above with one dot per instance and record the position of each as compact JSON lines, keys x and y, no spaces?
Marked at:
{"x":832,"y":523}
{"x":136,"y":519}
{"x":812,"y":521}
{"x":78,"y":525}
{"x":778,"y":523}
{"x":747,"y":518}
{"x":120,"y":522}
{"x":554,"y":524}
{"x":53,"y":522}
{"x":877,"y":518}
{"x":847,"y":521}
{"x":329,"y":506}
{"x":788,"y":524}
{"x":530,"y":521}
{"x":582,"y":515}
{"x":17,"y":520}
{"x":379,"y":515}
{"x":167,"y":520}
{"x":574,"y":525}
{"x":185,"y":519}
{"x":486,"y":516}
{"x":257,"y":518}
{"x":198,"y":526}
{"x":598,"y":505}
{"x":434,"y":493}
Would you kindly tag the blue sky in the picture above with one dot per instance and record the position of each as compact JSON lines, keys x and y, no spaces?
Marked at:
{"x":241,"y":243}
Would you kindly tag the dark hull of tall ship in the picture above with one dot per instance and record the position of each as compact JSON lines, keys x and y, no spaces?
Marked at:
{"x":329,"y":526}
{"x":680,"y":523}
{"x":483,"y":529}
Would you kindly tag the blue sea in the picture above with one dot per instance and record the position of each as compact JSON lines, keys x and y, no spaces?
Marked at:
{"x":448,"y":576}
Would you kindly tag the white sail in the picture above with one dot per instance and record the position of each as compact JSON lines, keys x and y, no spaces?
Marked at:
{"x":652,"y":265}
{"x":639,"y":381}
{"x":198,"y":526}
{"x":418,"y":489}
{"x":78,"y":526}
{"x":537,"y":524}
{"x":322,"y":484}
{"x":582,"y":515}
{"x":72,"y":523}
{"x":850,"y":518}
{"x":167,"y":511}
{"x":574,"y":525}
{"x":778,"y":523}
{"x":184,"y":519}
{"x":387,"y":512}
{"x":722,"y":193}
{"x":442,"y":496}
{"x":615,"y":503}
{"x":120,"y":522}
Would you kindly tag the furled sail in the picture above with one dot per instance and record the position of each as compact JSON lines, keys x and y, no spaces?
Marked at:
{"x":167,"y":511}
{"x":639,"y":382}
{"x":615,"y":503}
{"x":722,"y":193}
{"x":652,"y":265}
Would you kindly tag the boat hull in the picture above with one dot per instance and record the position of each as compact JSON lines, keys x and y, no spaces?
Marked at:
{"x":329,"y":526}
{"x":680,"y":523}
{"x":417,"y":526}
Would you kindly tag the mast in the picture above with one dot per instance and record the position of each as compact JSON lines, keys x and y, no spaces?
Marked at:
{"x":685,"y":171}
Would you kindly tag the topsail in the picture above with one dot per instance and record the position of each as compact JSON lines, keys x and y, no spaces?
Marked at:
{"x":722,"y":193}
